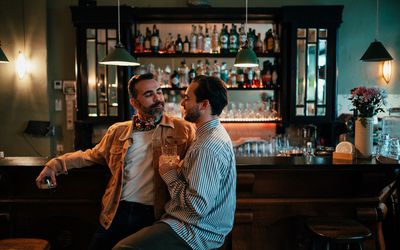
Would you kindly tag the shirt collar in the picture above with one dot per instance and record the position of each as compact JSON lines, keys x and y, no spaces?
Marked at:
{"x":166,"y":121}
{"x":206,"y":127}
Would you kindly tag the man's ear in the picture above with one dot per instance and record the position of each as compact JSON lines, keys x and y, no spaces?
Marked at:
{"x":205,"y":104}
{"x":133,"y":102}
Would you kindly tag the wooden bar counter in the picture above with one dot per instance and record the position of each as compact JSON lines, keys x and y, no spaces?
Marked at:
{"x":274,"y":197}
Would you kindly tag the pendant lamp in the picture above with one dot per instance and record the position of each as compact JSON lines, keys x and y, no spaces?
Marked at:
{"x":376,"y":52}
{"x":246,"y":57}
{"x":119,"y":56}
{"x":3,"y":58}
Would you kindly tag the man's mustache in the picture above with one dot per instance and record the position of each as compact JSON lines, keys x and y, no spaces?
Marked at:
{"x":155,"y":105}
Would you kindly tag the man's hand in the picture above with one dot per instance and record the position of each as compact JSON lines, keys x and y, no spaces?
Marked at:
{"x":46,"y":179}
{"x":165,"y":164}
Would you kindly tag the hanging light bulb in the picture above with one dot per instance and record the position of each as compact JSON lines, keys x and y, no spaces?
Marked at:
{"x":119,"y":56}
{"x":20,"y":65}
{"x":246,"y":57}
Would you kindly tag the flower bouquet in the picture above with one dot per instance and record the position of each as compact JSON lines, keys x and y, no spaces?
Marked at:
{"x":367,"y":102}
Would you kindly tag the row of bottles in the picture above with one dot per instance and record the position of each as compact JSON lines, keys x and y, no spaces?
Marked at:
{"x":234,"y":77}
{"x":222,"y":42}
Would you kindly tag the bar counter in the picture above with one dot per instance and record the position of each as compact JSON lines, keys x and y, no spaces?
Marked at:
{"x":274,"y":197}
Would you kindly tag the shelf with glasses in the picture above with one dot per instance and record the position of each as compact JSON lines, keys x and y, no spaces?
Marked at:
{"x":229,"y":89}
{"x":251,"y":120}
{"x":209,"y":55}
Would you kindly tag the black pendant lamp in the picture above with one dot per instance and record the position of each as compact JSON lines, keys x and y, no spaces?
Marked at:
{"x":3,"y":58}
{"x":376,"y":52}
{"x":246,"y":57}
{"x":119,"y":56}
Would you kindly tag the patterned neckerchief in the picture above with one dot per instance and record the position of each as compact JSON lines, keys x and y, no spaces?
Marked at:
{"x":140,"y":124}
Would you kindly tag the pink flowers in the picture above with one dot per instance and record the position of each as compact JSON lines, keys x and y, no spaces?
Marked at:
{"x":368,"y":101}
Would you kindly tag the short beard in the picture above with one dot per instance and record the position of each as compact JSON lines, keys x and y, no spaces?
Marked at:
{"x":153,"y":110}
{"x":193,"y":114}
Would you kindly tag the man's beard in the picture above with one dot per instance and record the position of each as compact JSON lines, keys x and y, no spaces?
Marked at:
{"x":192,"y":114}
{"x":156,"y":109}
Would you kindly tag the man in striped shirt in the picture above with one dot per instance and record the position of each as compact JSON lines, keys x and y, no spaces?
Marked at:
{"x":203,"y":187}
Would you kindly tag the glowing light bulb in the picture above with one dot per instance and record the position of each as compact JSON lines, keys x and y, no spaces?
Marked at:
{"x":387,"y":70}
{"x":20,"y":65}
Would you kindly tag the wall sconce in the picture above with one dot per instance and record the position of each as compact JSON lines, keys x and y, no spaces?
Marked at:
{"x":20,"y":65}
{"x":387,"y":71}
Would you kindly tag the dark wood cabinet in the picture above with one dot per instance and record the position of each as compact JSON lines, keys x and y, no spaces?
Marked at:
{"x":310,"y":57}
{"x":102,"y":95}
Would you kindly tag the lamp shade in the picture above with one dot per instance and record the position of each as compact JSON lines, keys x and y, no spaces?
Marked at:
{"x":246,"y":58}
{"x":376,"y":52}
{"x":120,"y":57}
{"x":3,"y":58}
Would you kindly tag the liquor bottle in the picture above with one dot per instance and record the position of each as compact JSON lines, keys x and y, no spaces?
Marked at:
{"x":179,"y":44}
{"x":233,"y":40}
{"x":155,"y":40}
{"x":175,"y":79}
{"x":249,"y":79}
{"x":166,"y":76}
{"x":232,"y":78}
{"x":193,"y":40}
{"x":258,"y":45}
{"x":275,"y":75}
{"x":266,"y":74}
{"x":240,"y":78}
{"x":224,"y":72}
{"x":207,"y":68}
{"x":257,"y":83}
{"x":199,"y":68}
{"x":224,"y":40}
{"x":169,"y":44}
{"x":159,"y":76}
{"x":250,"y":39}
{"x":269,"y":41}
{"x":215,"y":40}
{"x":207,"y":42}
{"x":200,"y":40}
{"x":242,"y":36}
{"x":216,"y":69}
{"x":186,"y":45}
{"x":147,"y":41}
{"x":277,"y":46}
{"x":192,"y":73}
{"x":139,"y":43}
{"x":183,"y":70}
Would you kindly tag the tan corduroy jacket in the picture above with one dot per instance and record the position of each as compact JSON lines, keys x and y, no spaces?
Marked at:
{"x":111,"y":151}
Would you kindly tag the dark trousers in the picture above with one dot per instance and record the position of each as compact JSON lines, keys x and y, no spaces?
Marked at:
{"x":159,"y":236}
{"x":130,"y":218}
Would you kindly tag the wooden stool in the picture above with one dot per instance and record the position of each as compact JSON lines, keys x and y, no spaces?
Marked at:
{"x":24,"y":244}
{"x":338,"y":232}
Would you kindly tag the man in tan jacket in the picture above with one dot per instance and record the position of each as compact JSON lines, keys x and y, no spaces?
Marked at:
{"x":135,"y":195}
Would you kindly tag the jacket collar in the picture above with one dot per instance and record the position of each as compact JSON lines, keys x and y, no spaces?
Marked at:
{"x":166,"y":121}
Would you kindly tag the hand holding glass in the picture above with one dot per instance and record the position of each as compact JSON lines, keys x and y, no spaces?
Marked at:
{"x":169,"y":154}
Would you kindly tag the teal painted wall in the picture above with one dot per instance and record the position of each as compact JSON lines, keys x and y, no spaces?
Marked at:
{"x":51,"y":47}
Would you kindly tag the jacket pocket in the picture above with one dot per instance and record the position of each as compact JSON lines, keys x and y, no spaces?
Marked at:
{"x":115,"y":157}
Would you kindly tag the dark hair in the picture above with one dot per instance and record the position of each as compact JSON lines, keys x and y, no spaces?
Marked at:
{"x":212,"y":89}
{"x":135,"y":79}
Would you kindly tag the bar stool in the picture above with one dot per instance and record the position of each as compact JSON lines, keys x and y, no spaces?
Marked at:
{"x":24,"y":244}
{"x":337,"y":232}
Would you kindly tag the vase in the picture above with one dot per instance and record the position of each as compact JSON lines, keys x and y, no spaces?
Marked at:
{"x":363,"y":138}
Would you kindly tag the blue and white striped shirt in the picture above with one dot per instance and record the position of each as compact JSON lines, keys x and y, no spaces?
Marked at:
{"x":203,"y":190}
